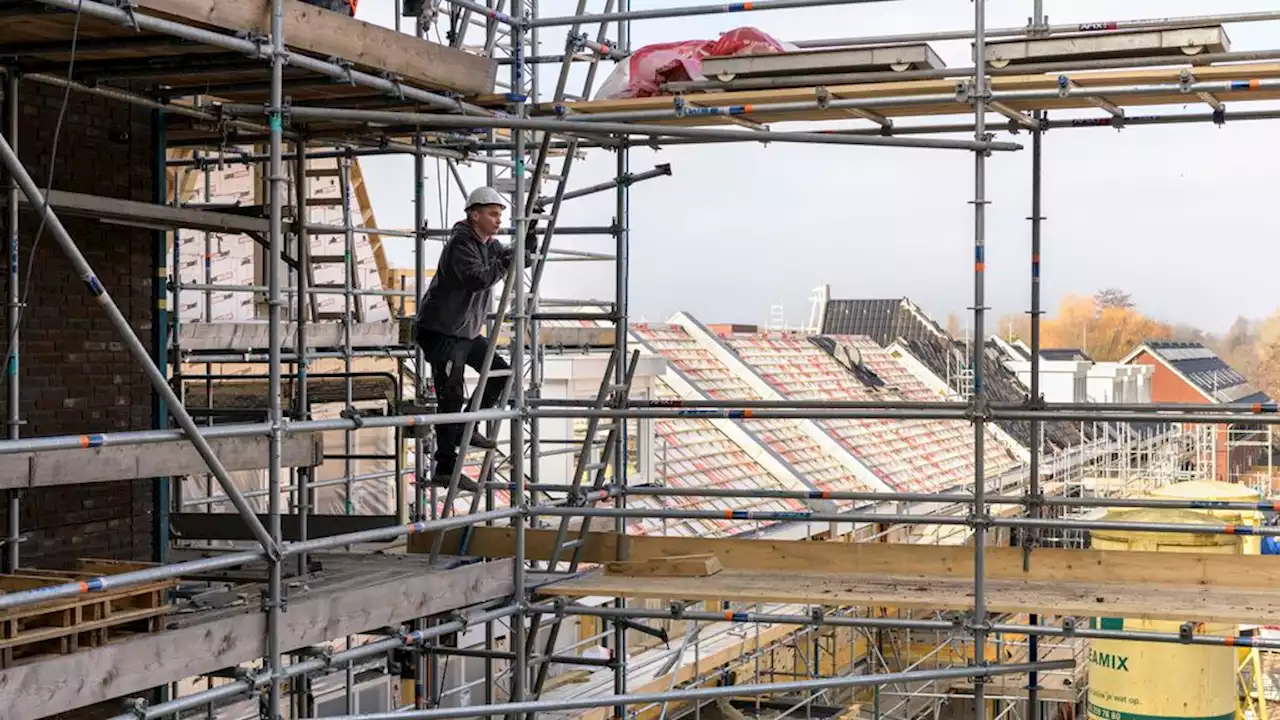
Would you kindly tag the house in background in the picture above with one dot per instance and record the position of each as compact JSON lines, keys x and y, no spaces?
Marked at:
{"x":1189,"y":372}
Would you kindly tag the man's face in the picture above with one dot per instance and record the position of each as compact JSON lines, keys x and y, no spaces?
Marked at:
{"x":487,"y":220}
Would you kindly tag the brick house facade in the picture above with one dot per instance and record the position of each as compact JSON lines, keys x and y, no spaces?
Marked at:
{"x":75,"y":374}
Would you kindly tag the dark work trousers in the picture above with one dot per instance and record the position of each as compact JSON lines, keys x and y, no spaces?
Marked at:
{"x":449,"y":358}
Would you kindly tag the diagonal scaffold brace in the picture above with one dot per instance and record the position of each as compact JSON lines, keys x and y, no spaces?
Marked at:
{"x":9,"y":160}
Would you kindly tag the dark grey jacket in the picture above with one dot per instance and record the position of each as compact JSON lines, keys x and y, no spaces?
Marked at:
{"x":458,"y":298}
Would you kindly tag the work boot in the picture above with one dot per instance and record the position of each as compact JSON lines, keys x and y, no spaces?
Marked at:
{"x":482,"y":442}
{"x":442,"y":477}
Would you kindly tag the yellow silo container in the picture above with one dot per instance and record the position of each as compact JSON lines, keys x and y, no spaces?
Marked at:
{"x":1134,"y":680}
{"x":1213,"y":491}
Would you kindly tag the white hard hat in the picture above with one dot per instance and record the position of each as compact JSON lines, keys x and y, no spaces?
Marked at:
{"x":485,"y":196}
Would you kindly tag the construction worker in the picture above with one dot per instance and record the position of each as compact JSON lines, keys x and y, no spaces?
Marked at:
{"x":342,"y":7}
{"x":451,"y":316}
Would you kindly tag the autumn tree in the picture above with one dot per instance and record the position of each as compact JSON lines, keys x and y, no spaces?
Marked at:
{"x":1014,"y":326}
{"x":953,"y":325}
{"x":1106,"y":330}
{"x":1264,"y":369}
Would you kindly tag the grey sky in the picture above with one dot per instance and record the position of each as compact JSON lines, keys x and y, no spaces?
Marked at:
{"x":1180,"y":216}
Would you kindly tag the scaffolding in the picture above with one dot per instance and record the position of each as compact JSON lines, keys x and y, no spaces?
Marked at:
{"x":365,"y":108}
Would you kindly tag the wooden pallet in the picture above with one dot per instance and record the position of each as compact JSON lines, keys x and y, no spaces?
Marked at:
{"x":91,"y":620}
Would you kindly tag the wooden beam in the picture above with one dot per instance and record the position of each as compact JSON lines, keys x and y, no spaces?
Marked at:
{"x":1062,"y":597}
{"x":677,"y":566}
{"x":133,"y":213}
{"x":132,"y":461}
{"x":907,"y":88}
{"x":799,"y":556}
{"x":328,"y":34}
{"x":67,"y":682}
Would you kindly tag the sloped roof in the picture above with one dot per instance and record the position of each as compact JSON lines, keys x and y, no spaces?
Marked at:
{"x":694,"y":453}
{"x":715,"y":380}
{"x":911,"y":455}
{"x":898,"y":379}
{"x":1067,"y":354}
{"x":1204,"y":370}
{"x":899,"y":320}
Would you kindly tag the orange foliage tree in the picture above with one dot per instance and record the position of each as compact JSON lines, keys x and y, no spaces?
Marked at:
{"x":1102,"y":326}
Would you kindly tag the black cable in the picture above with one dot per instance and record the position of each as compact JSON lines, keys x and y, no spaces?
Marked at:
{"x":53,"y":159}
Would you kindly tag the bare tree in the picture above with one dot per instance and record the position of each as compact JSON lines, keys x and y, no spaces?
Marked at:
{"x":1112,"y":298}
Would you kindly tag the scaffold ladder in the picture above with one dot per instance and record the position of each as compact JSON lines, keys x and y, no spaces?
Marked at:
{"x":353,"y":306}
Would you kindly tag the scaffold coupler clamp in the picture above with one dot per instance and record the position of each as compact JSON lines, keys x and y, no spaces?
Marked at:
{"x":346,"y":66}
{"x":559,"y":605}
{"x":323,"y":652}
{"x":823,"y":97}
{"x":973,"y":624}
{"x":267,"y":603}
{"x":137,"y":707}
{"x":576,"y":41}
{"x":980,"y":410}
{"x":353,"y":414}
{"x":261,"y":39}
{"x":1187,"y":631}
{"x":462,"y":617}
{"x":1185,"y":79}
{"x":395,"y":81}
{"x":410,"y":638}
{"x":1069,"y":625}
{"x":677,"y":608}
{"x":817,"y":616}
{"x":980,"y":519}
{"x":129,"y":6}
{"x":1035,"y":501}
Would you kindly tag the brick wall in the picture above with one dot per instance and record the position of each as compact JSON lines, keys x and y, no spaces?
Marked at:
{"x":76,"y":375}
{"x":1167,"y":386}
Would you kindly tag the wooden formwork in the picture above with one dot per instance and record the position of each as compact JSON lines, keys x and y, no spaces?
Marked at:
{"x":89,"y":620}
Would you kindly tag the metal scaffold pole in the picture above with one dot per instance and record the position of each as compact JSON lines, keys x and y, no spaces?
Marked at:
{"x":13,"y":313}
{"x":520,"y":316}
{"x":977,"y":355}
{"x":622,"y":220}
{"x":712,"y":693}
{"x":1031,"y":536}
{"x":276,"y":179}
{"x":303,"y":411}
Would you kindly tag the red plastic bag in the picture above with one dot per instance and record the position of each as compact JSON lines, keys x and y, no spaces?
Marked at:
{"x":644,"y":72}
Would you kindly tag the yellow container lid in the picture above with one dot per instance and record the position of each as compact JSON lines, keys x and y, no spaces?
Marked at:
{"x":1207,"y":490}
{"x":1168,"y":516}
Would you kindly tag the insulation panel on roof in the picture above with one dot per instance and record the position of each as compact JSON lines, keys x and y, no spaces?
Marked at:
{"x":911,"y":455}
{"x":694,"y":453}
{"x":717,"y":381}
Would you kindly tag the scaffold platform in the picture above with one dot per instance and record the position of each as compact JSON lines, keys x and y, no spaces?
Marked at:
{"x":349,"y":594}
{"x":921,"y":98}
